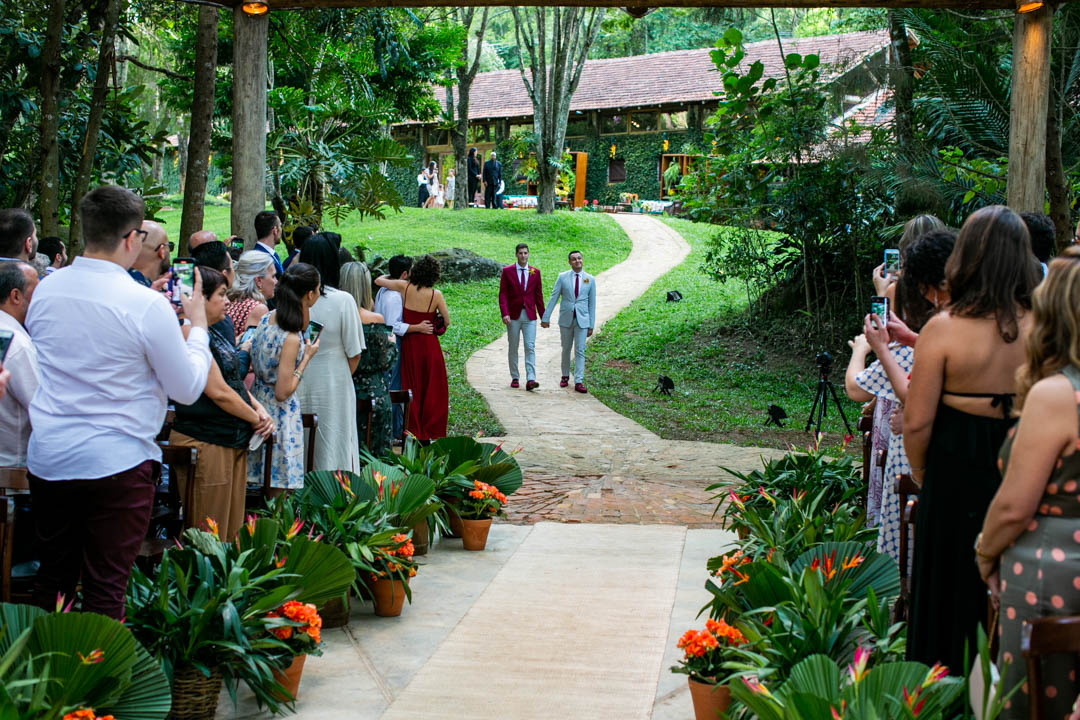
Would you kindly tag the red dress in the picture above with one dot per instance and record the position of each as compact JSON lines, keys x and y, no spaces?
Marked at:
{"x":423,"y":370}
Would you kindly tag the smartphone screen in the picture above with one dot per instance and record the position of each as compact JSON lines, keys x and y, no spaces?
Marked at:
{"x":880,"y":306}
{"x":6,"y":336}
{"x":313,"y":330}
{"x":892,"y":261}
{"x":183,"y":277}
{"x":248,"y":334}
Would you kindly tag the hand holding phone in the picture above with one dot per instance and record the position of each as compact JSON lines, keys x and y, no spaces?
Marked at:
{"x":6,"y":338}
{"x":879,"y":306}
{"x":892,"y":261}
{"x":181,"y":278}
{"x":314,"y":329}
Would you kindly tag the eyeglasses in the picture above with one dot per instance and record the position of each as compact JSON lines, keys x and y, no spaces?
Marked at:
{"x":140,"y":233}
{"x":172,"y":247}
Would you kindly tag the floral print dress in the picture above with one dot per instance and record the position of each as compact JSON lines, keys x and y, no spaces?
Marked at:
{"x":372,"y":381}
{"x":287,"y":463}
{"x":874,"y":381}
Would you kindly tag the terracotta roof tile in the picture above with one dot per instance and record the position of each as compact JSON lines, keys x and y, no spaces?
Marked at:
{"x":679,"y":76}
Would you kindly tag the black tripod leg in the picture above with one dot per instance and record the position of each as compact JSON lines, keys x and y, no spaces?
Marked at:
{"x":840,"y":407}
{"x":818,"y":398}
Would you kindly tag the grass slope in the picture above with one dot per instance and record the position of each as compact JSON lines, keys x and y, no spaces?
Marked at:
{"x":474,"y":312}
{"x":724,"y":376}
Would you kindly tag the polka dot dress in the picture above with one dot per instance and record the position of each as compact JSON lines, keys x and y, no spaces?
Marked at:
{"x":1040,"y":577}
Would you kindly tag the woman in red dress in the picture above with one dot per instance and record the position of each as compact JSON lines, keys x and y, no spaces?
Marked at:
{"x":423,"y":369}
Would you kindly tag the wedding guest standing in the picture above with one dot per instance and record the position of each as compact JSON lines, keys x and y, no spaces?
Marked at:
{"x":955,"y":419}
{"x":474,"y":176}
{"x":575,"y":293}
{"x":423,"y":369}
{"x":492,"y":180}
{"x":371,"y":379}
{"x":279,"y":357}
{"x":327,"y":392}
{"x":256,"y":280}
{"x":1029,"y":548}
{"x":521,"y":302}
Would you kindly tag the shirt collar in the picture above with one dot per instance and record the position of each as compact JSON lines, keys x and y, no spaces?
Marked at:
{"x":96,"y":265}
{"x":264,"y":246}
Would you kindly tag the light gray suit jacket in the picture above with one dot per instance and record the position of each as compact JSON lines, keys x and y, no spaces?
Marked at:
{"x":584,"y":305}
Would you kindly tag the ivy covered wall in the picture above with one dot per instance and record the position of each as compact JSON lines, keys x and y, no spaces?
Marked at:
{"x":641,"y":159}
{"x":404,"y":178}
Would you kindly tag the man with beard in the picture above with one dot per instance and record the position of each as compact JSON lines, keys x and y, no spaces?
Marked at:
{"x":151,"y":266}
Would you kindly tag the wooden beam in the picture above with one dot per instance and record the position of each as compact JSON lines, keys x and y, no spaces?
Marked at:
{"x":249,"y":123}
{"x":1027,"y":116}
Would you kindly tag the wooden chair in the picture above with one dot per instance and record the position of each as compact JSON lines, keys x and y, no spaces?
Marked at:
{"x":907,"y":492}
{"x":7,"y":541}
{"x":256,"y":498}
{"x":311,"y":422}
{"x":366,"y":407}
{"x":1040,"y":637}
{"x":169,"y":513}
{"x":13,"y":478}
{"x":18,"y":579}
{"x":403,"y":398}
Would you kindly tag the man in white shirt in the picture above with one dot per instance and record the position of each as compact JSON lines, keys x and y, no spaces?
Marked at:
{"x":268,"y":232}
{"x":110,"y":354}
{"x":17,"y":283}
{"x":388,"y":303}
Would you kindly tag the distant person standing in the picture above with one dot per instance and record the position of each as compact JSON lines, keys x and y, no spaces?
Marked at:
{"x":492,"y":180}
{"x":451,"y":186}
{"x":521,"y":299}
{"x":474,"y":176}
{"x":422,"y":188}
{"x":577,"y":317}
{"x":53,"y":248}
{"x":268,"y":232}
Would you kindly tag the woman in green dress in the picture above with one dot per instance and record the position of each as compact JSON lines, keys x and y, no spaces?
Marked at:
{"x":370,"y":379}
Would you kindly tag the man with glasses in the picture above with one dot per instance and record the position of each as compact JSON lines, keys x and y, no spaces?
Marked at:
{"x":110,"y":355}
{"x":155,"y":255}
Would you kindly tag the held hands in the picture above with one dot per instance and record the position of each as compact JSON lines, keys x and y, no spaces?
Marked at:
{"x":896,"y":420}
{"x":195,"y":304}
{"x":589,"y":333}
{"x":990,"y":572}
{"x":544,"y":324}
{"x":264,"y":425}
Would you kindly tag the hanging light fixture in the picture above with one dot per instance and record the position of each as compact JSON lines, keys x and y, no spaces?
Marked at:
{"x":1026,"y":6}
{"x":255,"y":7}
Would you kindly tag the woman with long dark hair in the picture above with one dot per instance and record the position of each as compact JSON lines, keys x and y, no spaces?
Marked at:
{"x":327,"y":393}
{"x":957,"y":414}
{"x":279,"y":356}
{"x":474,"y":176}
{"x":423,"y":369}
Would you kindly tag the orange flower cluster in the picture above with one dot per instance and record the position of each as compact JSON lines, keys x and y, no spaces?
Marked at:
{"x":406,"y":548}
{"x":86,"y":714}
{"x":729,"y":564}
{"x":298,"y":612}
{"x":405,"y":551}
{"x":484,"y":491}
{"x":695,"y":643}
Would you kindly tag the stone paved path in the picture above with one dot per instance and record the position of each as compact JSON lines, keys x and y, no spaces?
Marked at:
{"x":584,"y":462}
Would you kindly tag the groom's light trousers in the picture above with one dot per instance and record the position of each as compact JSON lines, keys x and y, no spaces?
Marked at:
{"x":574,"y":336}
{"x":523,"y":326}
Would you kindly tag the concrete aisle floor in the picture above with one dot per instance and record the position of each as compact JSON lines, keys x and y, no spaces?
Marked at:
{"x":372,"y":661}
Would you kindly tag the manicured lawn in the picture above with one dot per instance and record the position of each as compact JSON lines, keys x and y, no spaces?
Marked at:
{"x":473,"y":307}
{"x":725,"y":375}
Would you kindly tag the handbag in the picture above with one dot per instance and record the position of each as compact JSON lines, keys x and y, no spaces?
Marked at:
{"x":439,"y":323}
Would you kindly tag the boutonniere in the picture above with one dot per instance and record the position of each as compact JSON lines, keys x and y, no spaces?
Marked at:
{"x":532,"y":271}
{"x":586,"y":280}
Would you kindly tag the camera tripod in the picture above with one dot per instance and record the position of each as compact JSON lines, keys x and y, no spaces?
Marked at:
{"x":825,"y":388}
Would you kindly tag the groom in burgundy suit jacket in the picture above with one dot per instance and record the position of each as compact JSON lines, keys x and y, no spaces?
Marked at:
{"x":521,"y":302}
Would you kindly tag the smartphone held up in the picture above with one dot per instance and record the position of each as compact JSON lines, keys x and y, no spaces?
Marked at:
{"x":313,"y":330}
{"x":892,"y":262}
{"x":879,"y":306}
{"x":181,"y":278}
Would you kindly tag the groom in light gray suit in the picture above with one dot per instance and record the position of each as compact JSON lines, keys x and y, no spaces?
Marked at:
{"x":577,"y":317}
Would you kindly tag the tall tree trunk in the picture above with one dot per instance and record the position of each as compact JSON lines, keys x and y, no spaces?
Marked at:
{"x":466,"y":73}
{"x":181,"y":159}
{"x":1058,"y":189}
{"x":901,"y":78}
{"x":106,"y":58}
{"x":49,"y":194}
{"x":202,"y":114}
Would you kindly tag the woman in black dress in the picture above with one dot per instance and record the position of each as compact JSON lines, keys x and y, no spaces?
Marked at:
{"x":957,"y":414}
{"x":474,"y":176}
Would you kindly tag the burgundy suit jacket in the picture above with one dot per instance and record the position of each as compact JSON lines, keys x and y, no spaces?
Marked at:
{"x":511,"y":297}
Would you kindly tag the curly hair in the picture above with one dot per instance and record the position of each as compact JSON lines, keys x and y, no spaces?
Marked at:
{"x":425,"y":272}
{"x":1054,"y":341}
{"x":924,"y":268}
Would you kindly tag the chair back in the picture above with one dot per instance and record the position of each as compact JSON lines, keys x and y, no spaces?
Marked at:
{"x":907,"y":493}
{"x":311,"y":422}
{"x":403,"y":398}
{"x":179,"y":460}
{"x":1041,"y":637}
{"x":13,"y":478}
{"x":7,"y":540}
{"x":366,"y":407}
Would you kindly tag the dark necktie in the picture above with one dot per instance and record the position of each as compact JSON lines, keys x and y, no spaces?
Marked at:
{"x":577,"y":279}
{"x":522,"y":271}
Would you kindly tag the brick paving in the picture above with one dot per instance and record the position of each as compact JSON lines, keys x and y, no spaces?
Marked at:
{"x":583,"y":462}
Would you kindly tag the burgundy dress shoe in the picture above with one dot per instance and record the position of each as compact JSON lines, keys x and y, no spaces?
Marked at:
{"x":531,"y":385}
{"x":565,"y":381}
{"x":514,"y":383}
{"x":580,"y":387}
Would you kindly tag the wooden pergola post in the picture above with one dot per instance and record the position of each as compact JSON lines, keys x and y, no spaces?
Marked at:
{"x":248,"y":122}
{"x":1030,"y":96}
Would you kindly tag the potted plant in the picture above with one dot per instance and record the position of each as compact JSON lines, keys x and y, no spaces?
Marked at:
{"x":394,"y":565}
{"x":705,"y":654}
{"x":480,"y":504}
{"x":299,"y":626}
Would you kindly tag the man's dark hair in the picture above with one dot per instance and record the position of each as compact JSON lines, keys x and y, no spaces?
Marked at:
{"x":265,"y":222}
{"x":108,"y":213}
{"x":572,"y":252}
{"x":520,"y":246}
{"x":1041,"y":229}
{"x":321,"y":254}
{"x":399,"y":264}
{"x":52,"y":247}
{"x":15,"y":226}
{"x":333,"y":237}
{"x":213,"y":255}
{"x":300,"y":235}
{"x":11,"y":278}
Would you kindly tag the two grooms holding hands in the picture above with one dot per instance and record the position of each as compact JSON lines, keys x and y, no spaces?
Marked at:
{"x":575,"y":291}
{"x":521,"y":300}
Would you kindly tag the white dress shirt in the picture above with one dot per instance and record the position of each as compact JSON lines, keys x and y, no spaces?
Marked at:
{"x":388,"y":303}
{"x":523,"y":275}
{"x":21,"y":360}
{"x":111,"y":354}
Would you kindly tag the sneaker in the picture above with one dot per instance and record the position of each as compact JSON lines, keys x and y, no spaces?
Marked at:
{"x":531,"y":385}
{"x":514,"y":383}
{"x":580,"y":387}
{"x":565,"y":381}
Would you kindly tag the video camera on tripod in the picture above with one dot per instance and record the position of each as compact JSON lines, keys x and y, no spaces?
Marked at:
{"x":825,"y":388}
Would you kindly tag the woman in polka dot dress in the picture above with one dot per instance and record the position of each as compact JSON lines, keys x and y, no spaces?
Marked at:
{"x":1029,"y":548}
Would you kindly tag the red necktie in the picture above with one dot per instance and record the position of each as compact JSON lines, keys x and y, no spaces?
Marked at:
{"x":522,"y":271}
{"x":576,"y":279}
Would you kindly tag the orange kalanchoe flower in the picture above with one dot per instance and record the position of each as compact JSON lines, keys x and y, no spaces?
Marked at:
{"x":86,"y":714}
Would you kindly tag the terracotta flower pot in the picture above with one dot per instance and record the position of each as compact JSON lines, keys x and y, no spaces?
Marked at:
{"x":709,"y":700}
{"x":194,"y":696}
{"x":335,"y":613}
{"x":474,"y":533}
{"x":389,"y":597}
{"x":420,"y":537}
{"x":289,"y":678}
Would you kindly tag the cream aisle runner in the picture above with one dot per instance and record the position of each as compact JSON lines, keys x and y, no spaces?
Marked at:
{"x":574,"y":626}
